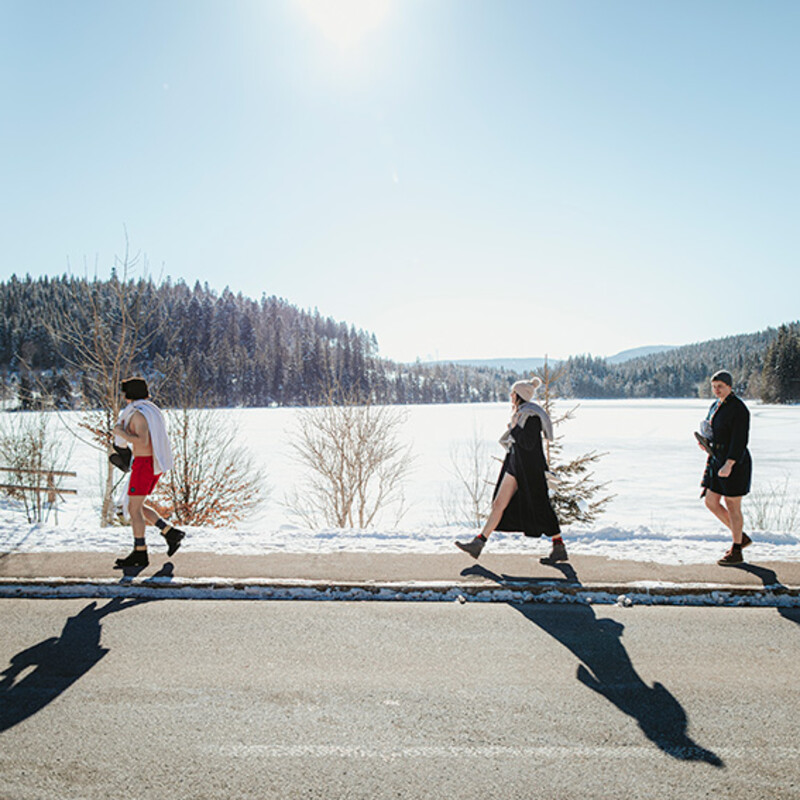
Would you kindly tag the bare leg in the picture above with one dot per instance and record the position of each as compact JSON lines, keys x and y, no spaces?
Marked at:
{"x":714,"y":505}
{"x":150,"y":514}
{"x":135,"y":510}
{"x":173,"y":535}
{"x":503,"y":497}
{"x":736,"y":517}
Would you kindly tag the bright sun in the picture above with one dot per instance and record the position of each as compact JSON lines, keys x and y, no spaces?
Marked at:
{"x":345,"y":22}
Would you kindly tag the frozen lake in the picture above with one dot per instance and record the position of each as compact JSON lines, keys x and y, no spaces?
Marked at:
{"x":651,"y":462}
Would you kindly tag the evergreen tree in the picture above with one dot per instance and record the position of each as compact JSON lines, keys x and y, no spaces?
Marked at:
{"x":576,"y":496}
{"x":780,"y":377}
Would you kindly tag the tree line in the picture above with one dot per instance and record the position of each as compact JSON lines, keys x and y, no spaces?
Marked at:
{"x":764,"y":365}
{"x":198,"y":348}
{"x":201,"y":348}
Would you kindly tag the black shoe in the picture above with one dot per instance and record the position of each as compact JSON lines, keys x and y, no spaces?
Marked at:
{"x":733,"y":556}
{"x":474,"y":547}
{"x":138,"y":558}
{"x":558,"y":553}
{"x":746,"y":541}
{"x":174,"y":538}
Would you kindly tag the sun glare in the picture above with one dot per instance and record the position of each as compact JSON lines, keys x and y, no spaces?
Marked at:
{"x":345,"y":22}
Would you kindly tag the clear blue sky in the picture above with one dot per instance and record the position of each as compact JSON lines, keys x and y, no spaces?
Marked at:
{"x":463,"y":178}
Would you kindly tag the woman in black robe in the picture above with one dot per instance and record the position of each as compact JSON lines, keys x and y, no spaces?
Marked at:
{"x":729,"y":468}
{"x":521,"y":501}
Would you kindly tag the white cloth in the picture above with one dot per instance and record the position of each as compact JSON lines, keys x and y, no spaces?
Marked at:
{"x":162,"y":451}
{"x":157,"y":427}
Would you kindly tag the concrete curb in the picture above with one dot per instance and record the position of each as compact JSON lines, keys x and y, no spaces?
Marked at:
{"x":623,"y":594}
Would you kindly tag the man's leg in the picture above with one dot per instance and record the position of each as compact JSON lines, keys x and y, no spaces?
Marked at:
{"x":173,"y":535}
{"x":138,"y":558}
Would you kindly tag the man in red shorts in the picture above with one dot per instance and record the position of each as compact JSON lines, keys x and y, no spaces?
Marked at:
{"x":142,"y":426}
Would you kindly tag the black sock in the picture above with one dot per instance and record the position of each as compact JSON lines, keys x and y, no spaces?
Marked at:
{"x":139,"y":543}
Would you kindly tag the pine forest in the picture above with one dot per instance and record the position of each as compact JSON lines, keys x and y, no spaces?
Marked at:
{"x":199,"y":348}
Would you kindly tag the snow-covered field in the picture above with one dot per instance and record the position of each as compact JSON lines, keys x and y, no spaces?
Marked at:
{"x":652,"y":464}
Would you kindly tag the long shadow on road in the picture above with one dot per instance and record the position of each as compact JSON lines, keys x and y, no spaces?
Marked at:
{"x":55,"y":663}
{"x":606,"y":669}
{"x":769,"y":578}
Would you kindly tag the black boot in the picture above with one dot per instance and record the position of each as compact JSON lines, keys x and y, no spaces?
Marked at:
{"x":174,"y":537}
{"x":138,"y":558}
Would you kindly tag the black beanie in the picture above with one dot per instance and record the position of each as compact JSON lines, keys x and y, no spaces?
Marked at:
{"x":724,"y":376}
{"x":135,"y":389}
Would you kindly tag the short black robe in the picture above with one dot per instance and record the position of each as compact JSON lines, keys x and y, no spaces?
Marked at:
{"x":731,"y":427}
{"x":530,"y":510}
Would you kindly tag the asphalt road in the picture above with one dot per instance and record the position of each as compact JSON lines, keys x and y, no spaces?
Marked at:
{"x":240,"y":699}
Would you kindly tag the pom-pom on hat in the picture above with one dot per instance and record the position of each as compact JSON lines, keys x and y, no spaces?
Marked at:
{"x":135,"y":389}
{"x":527,"y":389}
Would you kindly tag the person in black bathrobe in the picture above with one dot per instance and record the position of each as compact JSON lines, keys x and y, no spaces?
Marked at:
{"x":521,"y":500}
{"x":728,"y":468}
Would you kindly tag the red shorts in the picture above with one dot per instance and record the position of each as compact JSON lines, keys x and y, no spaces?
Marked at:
{"x":143,"y":481}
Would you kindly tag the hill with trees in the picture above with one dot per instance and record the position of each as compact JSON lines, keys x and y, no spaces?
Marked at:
{"x":685,"y":371}
{"x":201,"y":348}
{"x":197,"y":347}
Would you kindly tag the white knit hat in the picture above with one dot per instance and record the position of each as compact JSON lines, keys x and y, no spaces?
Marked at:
{"x":527,"y":389}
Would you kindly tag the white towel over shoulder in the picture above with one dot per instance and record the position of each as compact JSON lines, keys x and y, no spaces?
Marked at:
{"x":162,"y":451}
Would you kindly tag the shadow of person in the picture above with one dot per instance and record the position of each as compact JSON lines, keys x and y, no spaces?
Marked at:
{"x":129,"y":572}
{"x":167,"y":571}
{"x":769,"y":578}
{"x":569,"y":575}
{"x":54,"y":664}
{"x":606,"y":669}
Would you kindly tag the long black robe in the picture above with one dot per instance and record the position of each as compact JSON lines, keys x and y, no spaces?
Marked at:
{"x":530,"y":510}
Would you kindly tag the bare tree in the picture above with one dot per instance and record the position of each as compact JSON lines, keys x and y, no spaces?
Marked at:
{"x":469,"y":495}
{"x":36,"y":461}
{"x":104,"y":344}
{"x":355,"y":464}
{"x":214,"y":480}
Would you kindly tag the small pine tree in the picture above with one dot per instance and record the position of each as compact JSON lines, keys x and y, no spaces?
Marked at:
{"x":577,"y":497}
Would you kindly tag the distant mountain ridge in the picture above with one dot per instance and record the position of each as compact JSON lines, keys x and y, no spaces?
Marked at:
{"x":639,"y":352}
{"x":522,"y":365}
{"x":512,"y":364}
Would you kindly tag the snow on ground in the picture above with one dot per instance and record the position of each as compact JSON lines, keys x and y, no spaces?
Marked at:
{"x":652,"y":465}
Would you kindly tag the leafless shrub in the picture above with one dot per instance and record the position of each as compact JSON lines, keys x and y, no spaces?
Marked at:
{"x":354,"y":462}
{"x":467,"y":498}
{"x":773,"y":508}
{"x":214,"y":480}
{"x":33,"y":455}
